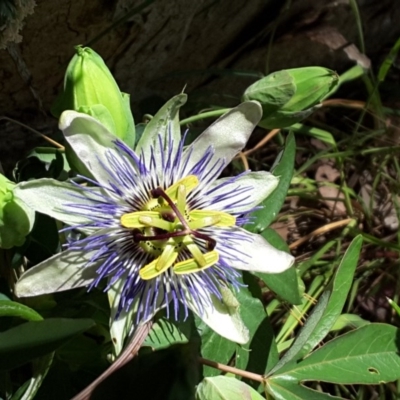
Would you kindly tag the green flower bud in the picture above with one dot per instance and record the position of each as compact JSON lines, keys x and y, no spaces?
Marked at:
{"x":89,"y":87}
{"x":288,"y":96}
{"x":16,"y":218}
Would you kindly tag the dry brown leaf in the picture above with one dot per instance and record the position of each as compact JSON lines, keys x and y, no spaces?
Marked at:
{"x":331,"y":196}
{"x":326,"y":173}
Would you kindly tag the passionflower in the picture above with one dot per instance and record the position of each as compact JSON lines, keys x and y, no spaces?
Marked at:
{"x":157,"y":223}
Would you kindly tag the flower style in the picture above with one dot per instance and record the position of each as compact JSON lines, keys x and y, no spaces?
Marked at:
{"x":158,"y":223}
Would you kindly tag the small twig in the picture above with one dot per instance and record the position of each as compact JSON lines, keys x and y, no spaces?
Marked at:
{"x":129,"y":352}
{"x":53,"y":142}
{"x":244,"y":161}
{"x":261,"y":143}
{"x":233,"y":370}
{"x":344,"y":103}
{"x":320,"y":231}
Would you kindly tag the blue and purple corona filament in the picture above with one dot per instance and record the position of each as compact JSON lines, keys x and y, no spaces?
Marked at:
{"x":169,"y":228}
{"x":159,"y":224}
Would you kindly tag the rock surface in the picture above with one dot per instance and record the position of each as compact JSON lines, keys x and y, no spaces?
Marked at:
{"x":156,"y":48}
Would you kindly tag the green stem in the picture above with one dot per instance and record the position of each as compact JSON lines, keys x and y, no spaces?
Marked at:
{"x":357,"y":16}
{"x":209,"y":114}
{"x":233,"y":370}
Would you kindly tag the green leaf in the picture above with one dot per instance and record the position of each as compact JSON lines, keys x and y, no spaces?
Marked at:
{"x":273,"y":203}
{"x":4,"y":297}
{"x":168,"y":374}
{"x":317,"y":133}
{"x":339,"y":288}
{"x":261,"y":353}
{"x":389,"y":61}
{"x":43,"y":239}
{"x":394,"y":306}
{"x":61,"y":375}
{"x":285,"y":284}
{"x":328,"y":309}
{"x":34,"y":339}
{"x":352,"y":321}
{"x":84,"y":352}
{"x":42,"y":162}
{"x":165,"y":332}
{"x":368,"y":355}
{"x":214,"y":347}
{"x":13,"y":309}
{"x":225,"y":388}
{"x":290,"y":356}
{"x":40,"y":367}
{"x":285,"y":388}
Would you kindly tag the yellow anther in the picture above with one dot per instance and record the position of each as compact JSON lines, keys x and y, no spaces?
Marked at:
{"x":189,"y":182}
{"x":195,"y":250}
{"x":190,"y":266}
{"x":181,"y":199}
{"x":220,"y":218}
{"x":203,"y":222}
{"x":167,"y":257}
{"x":165,"y":226}
{"x":160,"y":264}
{"x":156,"y":223}
{"x":132,"y":220}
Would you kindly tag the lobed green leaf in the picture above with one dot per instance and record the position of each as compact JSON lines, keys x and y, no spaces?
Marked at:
{"x":285,"y":388}
{"x":225,"y":388}
{"x":368,"y":355}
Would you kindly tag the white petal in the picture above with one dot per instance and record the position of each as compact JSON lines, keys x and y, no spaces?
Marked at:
{"x":260,"y":185}
{"x":49,"y":197}
{"x":119,"y":328}
{"x":122,"y":327}
{"x":164,"y":123}
{"x":61,"y":272}
{"x":222,"y":318}
{"x":228,"y":134}
{"x":262,"y":256}
{"x":90,"y":140}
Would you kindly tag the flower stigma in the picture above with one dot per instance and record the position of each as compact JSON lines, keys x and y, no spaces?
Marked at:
{"x":166,"y":226}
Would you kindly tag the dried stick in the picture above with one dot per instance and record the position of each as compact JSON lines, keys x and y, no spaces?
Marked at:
{"x":129,"y":352}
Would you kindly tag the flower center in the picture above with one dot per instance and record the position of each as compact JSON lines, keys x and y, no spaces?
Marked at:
{"x":165,"y":226}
